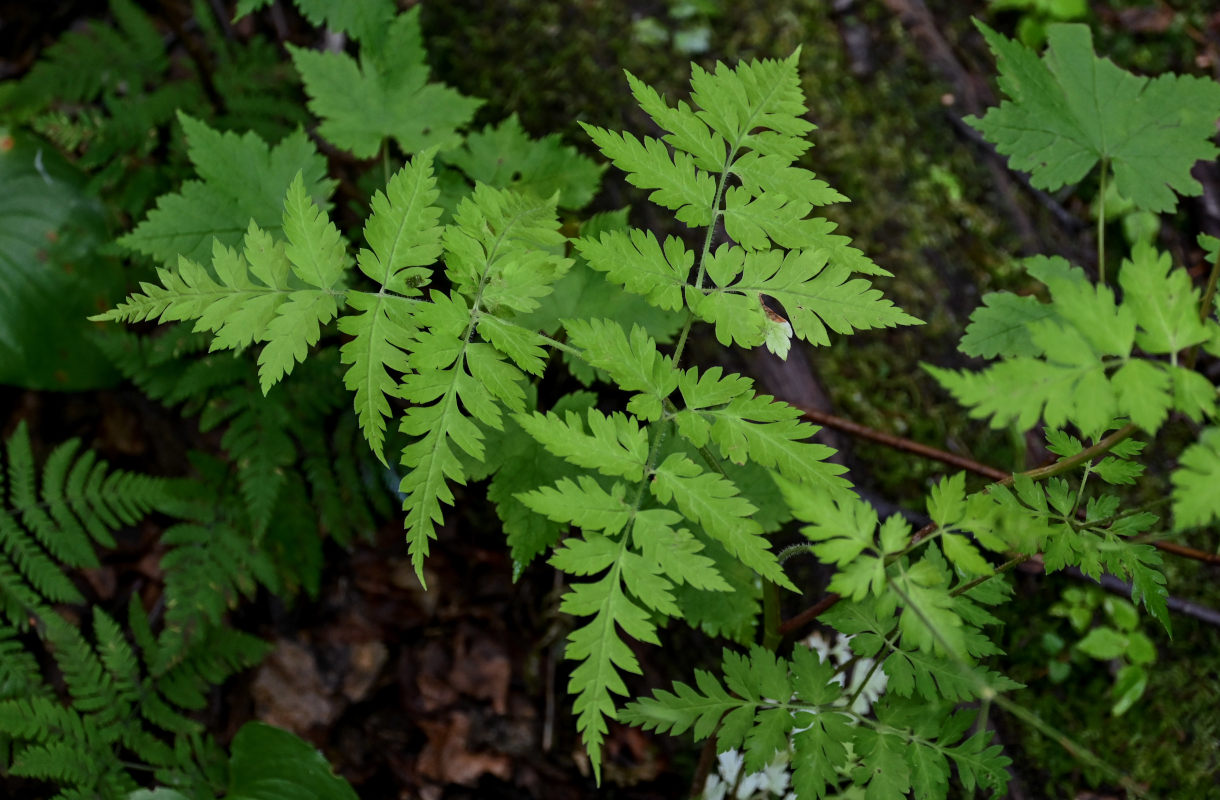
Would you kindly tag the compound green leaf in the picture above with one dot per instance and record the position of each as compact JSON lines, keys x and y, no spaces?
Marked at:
{"x":815,"y":296}
{"x":678,"y":184}
{"x":1143,"y":393}
{"x":403,"y":237}
{"x":1000,"y":327}
{"x":602,"y":654}
{"x":1165,"y":303}
{"x":686,"y":131}
{"x":633,"y":362}
{"x":504,"y":249}
{"x":583,"y":503}
{"x":757,"y":105}
{"x":723,"y":513}
{"x":635,"y":260}
{"x":675,"y":550}
{"x":615,"y":445}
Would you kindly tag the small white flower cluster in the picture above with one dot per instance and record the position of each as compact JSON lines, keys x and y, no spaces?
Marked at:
{"x":773,"y":781}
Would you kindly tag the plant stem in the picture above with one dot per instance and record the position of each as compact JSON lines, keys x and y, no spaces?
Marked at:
{"x":988,"y":694}
{"x":1101,"y":225}
{"x":860,"y":689}
{"x":1205,"y":309}
{"x":1088,"y":454}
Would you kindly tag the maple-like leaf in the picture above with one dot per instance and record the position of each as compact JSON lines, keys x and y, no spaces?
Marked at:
{"x":1071,"y":110}
{"x":384,"y":95}
{"x":240,"y":180}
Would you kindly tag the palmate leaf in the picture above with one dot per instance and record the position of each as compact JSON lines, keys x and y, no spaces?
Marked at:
{"x":359,"y":18}
{"x":1000,"y":326}
{"x":240,"y":180}
{"x":296,"y":292}
{"x":385,"y":95}
{"x":1058,"y":355}
{"x":404,"y":237}
{"x":1072,"y":109}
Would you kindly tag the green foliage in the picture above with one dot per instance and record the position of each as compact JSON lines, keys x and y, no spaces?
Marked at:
{"x":384,"y":95}
{"x":1073,"y":360}
{"x":1071,"y":110}
{"x":242,"y":181}
{"x":1117,"y":639}
{"x":108,"y":94}
{"x":120,"y":699}
{"x":657,"y":497}
{"x":767,"y":704}
{"x":77,"y":502}
{"x":48,"y":263}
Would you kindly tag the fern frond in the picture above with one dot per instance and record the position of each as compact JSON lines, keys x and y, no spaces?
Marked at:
{"x":98,"y":58}
{"x":208,"y":569}
{"x":500,"y":257}
{"x":615,"y":445}
{"x":295,"y":293}
{"x":404,"y":236}
{"x":724,"y":515}
{"x":80,"y":499}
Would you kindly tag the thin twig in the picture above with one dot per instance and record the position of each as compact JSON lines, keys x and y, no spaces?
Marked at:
{"x":986,"y":471}
{"x":899,"y":443}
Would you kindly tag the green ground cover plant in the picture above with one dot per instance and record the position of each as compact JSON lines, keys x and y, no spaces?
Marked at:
{"x":484,"y":329}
